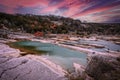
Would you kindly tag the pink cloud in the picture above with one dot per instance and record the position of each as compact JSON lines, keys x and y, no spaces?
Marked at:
{"x":73,"y":9}
{"x":69,"y":8}
{"x":73,"y":6}
{"x":53,"y":7}
{"x":24,"y":3}
{"x":93,"y":11}
{"x":96,"y":10}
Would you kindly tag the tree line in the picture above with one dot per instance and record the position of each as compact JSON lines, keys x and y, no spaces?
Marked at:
{"x":56,"y":24}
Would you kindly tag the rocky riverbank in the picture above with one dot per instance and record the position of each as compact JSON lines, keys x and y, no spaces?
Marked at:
{"x":104,"y":67}
{"x":13,"y":66}
{"x":101,"y":65}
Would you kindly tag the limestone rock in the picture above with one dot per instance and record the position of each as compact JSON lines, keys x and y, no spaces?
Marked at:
{"x":103,"y":67}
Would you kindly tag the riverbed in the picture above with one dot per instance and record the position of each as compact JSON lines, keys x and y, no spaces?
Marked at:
{"x":96,"y":45}
{"x":62,"y":56}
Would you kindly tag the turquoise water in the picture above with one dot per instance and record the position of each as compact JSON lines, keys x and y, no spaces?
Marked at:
{"x":62,"y":56}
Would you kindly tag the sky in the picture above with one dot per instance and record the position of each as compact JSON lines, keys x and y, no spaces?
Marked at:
{"x":98,"y":11}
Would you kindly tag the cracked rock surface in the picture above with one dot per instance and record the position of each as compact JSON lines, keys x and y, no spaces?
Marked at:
{"x":16,"y":67}
{"x":103,"y":67}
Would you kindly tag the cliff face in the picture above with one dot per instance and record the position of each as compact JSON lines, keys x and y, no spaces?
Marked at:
{"x":102,"y":67}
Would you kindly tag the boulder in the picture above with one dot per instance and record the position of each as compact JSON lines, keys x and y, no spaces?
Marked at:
{"x":103,"y":67}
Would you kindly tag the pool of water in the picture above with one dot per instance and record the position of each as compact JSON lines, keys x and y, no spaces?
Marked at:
{"x":62,"y":56}
{"x":108,"y":45}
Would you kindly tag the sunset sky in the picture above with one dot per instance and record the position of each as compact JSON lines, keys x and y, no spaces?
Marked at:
{"x":85,"y":10}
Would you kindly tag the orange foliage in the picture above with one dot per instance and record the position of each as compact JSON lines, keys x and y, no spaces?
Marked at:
{"x":39,"y":34}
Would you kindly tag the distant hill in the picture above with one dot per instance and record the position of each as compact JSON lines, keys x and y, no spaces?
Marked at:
{"x":55,"y":24}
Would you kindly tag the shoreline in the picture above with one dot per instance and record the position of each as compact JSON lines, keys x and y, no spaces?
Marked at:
{"x":52,"y":66}
{"x":6,"y":50}
{"x":85,"y":50}
{"x":57,"y":69}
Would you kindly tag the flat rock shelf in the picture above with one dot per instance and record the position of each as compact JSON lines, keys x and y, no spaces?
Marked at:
{"x":16,"y":67}
{"x":59,"y":55}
